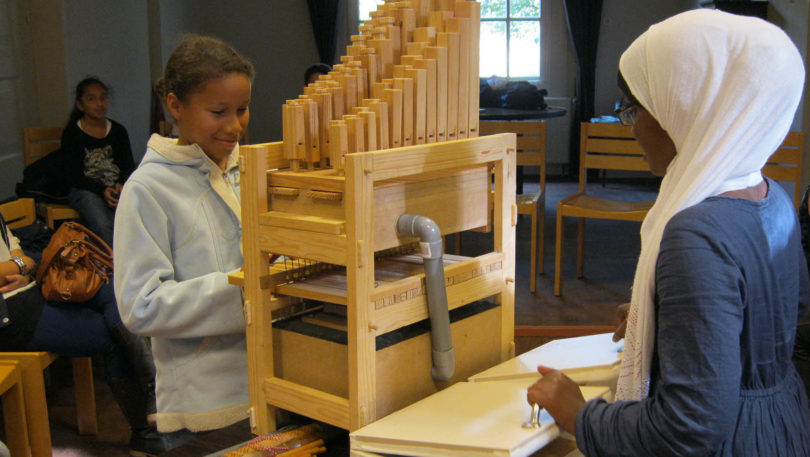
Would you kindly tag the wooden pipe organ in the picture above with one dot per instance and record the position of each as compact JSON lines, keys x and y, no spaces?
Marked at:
{"x":392,"y":130}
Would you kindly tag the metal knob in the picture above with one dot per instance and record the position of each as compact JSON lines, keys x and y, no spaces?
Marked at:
{"x":534,"y":420}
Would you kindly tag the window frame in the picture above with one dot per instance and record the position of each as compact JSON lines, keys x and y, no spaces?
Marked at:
{"x":508,"y":22}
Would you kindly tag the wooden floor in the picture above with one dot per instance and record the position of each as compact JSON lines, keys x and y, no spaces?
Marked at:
{"x":611,"y":251}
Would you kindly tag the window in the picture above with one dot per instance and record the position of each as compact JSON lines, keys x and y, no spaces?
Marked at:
{"x":365,"y":7}
{"x":510,"y":39}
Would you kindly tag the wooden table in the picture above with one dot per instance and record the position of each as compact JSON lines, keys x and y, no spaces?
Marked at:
{"x":507,"y":114}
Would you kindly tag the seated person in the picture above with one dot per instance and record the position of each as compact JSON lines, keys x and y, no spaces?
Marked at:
{"x":98,"y":156}
{"x":30,"y":323}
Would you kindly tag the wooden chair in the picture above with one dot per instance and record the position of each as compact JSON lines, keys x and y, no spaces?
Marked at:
{"x":39,"y":142}
{"x":14,"y":414}
{"x":531,"y":151}
{"x":786,"y":164}
{"x":19,"y":213}
{"x":605,"y":147}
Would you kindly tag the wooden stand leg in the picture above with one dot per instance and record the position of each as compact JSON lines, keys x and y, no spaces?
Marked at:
{"x":85,"y":395}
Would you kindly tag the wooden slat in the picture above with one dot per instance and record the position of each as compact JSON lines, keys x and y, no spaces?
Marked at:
{"x":613,"y":146}
{"x":315,"y":246}
{"x":398,"y":315}
{"x":326,"y":180}
{"x":273,"y":153}
{"x":309,"y":402}
{"x":615,"y":162}
{"x":415,"y":160}
{"x":303,"y":222}
{"x":40,"y":141}
{"x":608,"y":130}
{"x":19,"y":213}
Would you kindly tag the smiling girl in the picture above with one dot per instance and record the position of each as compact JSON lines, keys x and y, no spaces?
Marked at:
{"x":178,"y":233}
{"x":99,"y":157}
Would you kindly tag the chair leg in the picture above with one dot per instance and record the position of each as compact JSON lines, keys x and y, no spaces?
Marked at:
{"x":580,"y":246}
{"x":541,"y":215}
{"x":558,"y":246}
{"x":85,"y":395}
{"x":533,"y":257}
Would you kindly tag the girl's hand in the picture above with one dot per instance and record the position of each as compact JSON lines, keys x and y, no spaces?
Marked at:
{"x":621,"y":321}
{"x":14,"y":282}
{"x":559,"y":395}
{"x":111,"y":195}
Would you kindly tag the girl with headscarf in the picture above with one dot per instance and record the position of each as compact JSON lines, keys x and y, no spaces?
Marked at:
{"x":721,"y":280}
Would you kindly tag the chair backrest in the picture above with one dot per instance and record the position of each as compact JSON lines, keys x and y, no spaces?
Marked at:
{"x":531,"y":142}
{"x":786,"y":164}
{"x":19,"y":213}
{"x":40,"y":141}
{"x":608,"y":147}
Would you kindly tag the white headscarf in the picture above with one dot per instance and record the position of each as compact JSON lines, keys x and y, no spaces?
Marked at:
{"x":725,"y":88}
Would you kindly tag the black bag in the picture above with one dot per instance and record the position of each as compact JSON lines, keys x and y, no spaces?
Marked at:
{"x":523,"y":95}
{"x":44,"y":180}
{"x":514,"y":95}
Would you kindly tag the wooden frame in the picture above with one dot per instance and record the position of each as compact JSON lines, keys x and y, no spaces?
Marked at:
{"x":345,"y":238}
{"x":785,"y":164}
{"x":37,"y":143}
{"x":606,"y":147}
{"x":531,"y":151}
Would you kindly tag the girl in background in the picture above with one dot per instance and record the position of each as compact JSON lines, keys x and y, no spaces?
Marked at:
{"x":178,"y":233}
{"x":99,"y":158}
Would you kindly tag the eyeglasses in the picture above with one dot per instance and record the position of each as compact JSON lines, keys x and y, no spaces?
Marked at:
{"x":627,"y":113}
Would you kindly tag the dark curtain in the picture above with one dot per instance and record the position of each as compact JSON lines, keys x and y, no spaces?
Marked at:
{"x":584,"y":17}
{"x":323,"y":15}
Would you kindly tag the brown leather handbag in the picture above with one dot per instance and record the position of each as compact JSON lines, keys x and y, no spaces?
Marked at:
{"x":75,"y":265}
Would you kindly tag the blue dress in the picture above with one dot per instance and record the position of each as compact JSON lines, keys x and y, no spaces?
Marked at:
{"x":731,"y":284}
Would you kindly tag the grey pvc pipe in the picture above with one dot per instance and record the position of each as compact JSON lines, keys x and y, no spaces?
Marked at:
{"x":430,"y":243}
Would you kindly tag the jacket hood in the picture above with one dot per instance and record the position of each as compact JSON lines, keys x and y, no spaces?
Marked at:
{"x":169,"y":152}
{"x":165,"y":151}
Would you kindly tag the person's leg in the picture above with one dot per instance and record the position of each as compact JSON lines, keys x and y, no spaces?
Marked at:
{"x":136,"y":348}
{"x":71,"y":330}
{"x":94,"y":211}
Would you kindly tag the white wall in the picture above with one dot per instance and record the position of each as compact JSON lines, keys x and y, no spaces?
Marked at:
{"x":112,"y":43}
{"x":276,"y":36}
{"x":622,"y":22}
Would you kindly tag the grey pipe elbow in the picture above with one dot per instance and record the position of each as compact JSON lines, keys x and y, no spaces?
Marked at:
{"x":430,"y":242}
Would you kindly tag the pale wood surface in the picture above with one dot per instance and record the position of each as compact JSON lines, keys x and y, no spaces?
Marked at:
{"x":449,"y":424}
{"x":594,"y":353}
{"x":18,"y":213}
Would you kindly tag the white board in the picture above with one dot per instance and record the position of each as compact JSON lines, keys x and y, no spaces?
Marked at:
{"x":467,"y":419}
{"x":592,"y":360}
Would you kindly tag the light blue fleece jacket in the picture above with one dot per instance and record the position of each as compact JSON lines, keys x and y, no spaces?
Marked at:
{"x":177,"y":236}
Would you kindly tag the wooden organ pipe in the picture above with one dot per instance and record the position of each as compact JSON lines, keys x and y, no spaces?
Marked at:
{"x":409,"y":77}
